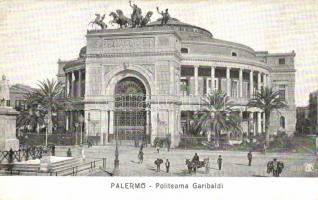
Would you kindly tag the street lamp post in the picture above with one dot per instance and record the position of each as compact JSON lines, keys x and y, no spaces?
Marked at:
{"x":116,"y":161}
{"x":46,"y":121}
{"x":81,"y":120}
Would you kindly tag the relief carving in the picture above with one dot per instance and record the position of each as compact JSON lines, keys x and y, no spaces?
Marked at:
{"x":128,"y":43}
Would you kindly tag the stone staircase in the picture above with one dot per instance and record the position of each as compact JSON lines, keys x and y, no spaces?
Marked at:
{"x":32,"y":167}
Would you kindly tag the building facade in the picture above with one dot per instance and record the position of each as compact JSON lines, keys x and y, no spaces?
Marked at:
{"x":149,"y":81}
{"x":313,"y":112}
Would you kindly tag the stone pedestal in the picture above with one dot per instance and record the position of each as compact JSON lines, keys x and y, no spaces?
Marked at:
{"x":8,"y":138}
{"x":45,"y":163}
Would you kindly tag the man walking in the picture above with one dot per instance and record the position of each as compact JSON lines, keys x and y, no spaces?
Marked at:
{"x":167,"y":165}
{"x":207,"y":166}
{"x":141,"y":156}
{"x":249,"y":157}
{"x":158,"y":162}
{"x":219,"y":161}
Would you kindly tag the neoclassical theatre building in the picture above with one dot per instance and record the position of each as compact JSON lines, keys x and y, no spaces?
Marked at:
{"x":148,"y":82}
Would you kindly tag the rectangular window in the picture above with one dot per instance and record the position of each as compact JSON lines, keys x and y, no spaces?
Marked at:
{"x":281,"y":61}
{"x":282,"y":91}
{"x":234,"y":89}
{"x":184,"y":87}
{"x":187,"y":71}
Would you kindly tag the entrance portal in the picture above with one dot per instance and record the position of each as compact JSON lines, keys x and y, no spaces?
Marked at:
{"x":130,"y":111}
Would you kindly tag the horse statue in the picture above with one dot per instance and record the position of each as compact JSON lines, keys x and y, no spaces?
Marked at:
{"x":194,"y":165}
{"x":120,"y":19}
{"x":275,"y":168}
{"x":146,"y":19}
{"x":99,"y":21}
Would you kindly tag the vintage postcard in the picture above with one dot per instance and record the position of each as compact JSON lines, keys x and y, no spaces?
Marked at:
{"x":142,"y":89}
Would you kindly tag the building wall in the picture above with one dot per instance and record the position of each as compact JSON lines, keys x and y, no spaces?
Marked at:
{"x":155,"y":59}
{"x":283,"y":78}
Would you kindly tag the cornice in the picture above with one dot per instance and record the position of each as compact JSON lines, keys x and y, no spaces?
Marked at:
{"x":135,"y":54}
{"x":225,"y":59}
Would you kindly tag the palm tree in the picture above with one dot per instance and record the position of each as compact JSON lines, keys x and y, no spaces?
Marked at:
{"x":47,"y":99}
{"x":218,"y":114}
{"x":267,"y":100}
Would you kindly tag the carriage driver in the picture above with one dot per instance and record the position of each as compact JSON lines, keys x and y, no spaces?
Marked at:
{"x":195,"y":158}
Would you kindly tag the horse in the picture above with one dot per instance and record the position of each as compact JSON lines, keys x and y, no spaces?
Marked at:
{"x":146,"y":19}
{"x":99,"y":21}
{"x":193,"y":165}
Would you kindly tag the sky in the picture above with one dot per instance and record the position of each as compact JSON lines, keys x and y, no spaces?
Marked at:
{"x":35,"y":34}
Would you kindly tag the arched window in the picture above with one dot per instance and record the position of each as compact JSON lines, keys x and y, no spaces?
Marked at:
{"x":282,"y":122}
{"x":184,"y":50}
{"x":234,"y":54}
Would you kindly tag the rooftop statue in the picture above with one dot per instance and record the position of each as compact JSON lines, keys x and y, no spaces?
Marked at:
{"x":99,"y":21}
{"x":146,"y":19}
{"x":136,"y":16}
{"x":120,"y":19}
{"x":165,"y":16}
{"x":4,"y":90}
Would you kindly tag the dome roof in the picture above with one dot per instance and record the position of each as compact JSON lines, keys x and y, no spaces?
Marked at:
{"x":178,"y":23}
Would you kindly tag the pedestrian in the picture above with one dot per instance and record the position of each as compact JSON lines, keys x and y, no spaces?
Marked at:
{"x":219,"y":161}
{"x":141,"y":156}
{"x":158,"y":148}
{"x":83,"y":154}
{"x":167,"y":165}
{"x":207,"y":165}
{"x":69,"y":152}
{"x":249,"y":157}
{"x":53,"y":150}
{"x":11,"y":154}
{"x":168,"y":144}
{"x":275,"y":167}
{"x":158,"y":162}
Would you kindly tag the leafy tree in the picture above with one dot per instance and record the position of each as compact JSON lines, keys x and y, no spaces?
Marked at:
{"x":30,"y":117}
{"x":267,"y":100}
{"x":218,"y":115}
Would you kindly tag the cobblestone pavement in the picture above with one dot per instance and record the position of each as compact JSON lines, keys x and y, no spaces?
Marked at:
{"x":235,"y":164}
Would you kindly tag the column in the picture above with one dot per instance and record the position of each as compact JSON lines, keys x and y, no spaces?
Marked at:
{"x":101,"y":137}
{"x":228,"y":82}
{"x":79,"y":88}
{"x":241,"y":82}
{"x":71,"y":120}
{"x":148,"y":124}
{"x":264,"y":121}
{"x":212,"y":78}
{"x":251,"y":123}
{"x":264,"y":80}
{"x":70,"y":84}
{"x":111,"y":124}
{"x":72,"y":76}
{"x":66,"y":121}
{"x":241,"y":123}
{"x":196,"y":83}
{"x":66,"y":84}
{"x":259,"y":124}
{"x":268,"y":80}
{"x":259,"y":83}
{"x":251,"y":84}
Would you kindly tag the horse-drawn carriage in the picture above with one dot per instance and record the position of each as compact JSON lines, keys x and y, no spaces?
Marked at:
{"x":275,"y":167}
{"x":193,"y":165}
